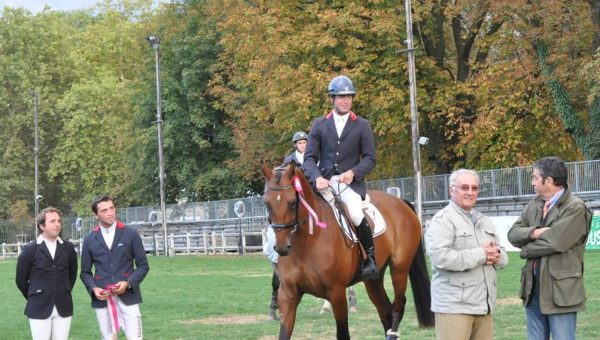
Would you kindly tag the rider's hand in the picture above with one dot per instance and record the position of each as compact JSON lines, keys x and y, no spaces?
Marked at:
{"x":100,"y":293}
{"x":322,"y":183}
{"x":347,"y":177}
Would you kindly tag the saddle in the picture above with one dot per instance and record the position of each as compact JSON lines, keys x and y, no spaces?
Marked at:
{"x":340,"y":211}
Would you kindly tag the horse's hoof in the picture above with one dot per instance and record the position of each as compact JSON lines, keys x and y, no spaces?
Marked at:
{"x":324,"y":310}
{"x":353,"y":309}
{"x":272,"y":317}
{"x":391,"y":335}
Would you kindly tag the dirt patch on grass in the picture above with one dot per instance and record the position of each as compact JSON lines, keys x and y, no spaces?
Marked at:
{"x":227,"y":319}
{"x":511,"y":301}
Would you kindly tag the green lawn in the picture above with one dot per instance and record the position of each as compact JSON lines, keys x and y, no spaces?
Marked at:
{"x":228,"y":297}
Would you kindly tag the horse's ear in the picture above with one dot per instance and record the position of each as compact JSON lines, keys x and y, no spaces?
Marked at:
{"x":267,"y":172}
{"x":292,"y":169}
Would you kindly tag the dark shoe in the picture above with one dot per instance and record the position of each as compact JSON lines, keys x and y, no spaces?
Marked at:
{"x":369,"y":267}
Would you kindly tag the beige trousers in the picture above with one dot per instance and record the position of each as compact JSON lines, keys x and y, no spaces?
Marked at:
{"x":463,"y":327}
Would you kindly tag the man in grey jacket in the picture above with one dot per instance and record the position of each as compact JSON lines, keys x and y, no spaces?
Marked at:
{"x":552,"y":233}
{"x":465,"y":254}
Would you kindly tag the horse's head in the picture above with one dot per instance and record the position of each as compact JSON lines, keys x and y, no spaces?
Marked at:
{"x":281,"y":200}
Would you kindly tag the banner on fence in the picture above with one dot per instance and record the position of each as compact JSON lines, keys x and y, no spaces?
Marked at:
{"x":593,"y":241}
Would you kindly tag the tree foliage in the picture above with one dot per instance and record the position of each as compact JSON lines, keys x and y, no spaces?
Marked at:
{"x":499,"y":83}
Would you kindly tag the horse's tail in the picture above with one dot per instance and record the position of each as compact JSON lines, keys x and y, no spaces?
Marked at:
{"x":419,"y":281}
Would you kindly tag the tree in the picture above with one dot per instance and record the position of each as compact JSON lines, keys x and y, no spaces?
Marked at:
{"x":197,"y":142}
{"x":278,"y":58}
{"x":34,"y":57}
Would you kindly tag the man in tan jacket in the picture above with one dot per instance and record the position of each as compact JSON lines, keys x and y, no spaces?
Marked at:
{"x":552,"y":233}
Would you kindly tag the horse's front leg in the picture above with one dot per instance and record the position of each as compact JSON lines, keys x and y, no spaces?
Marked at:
{"x":340,"y":312}
{"x":288,"y":300}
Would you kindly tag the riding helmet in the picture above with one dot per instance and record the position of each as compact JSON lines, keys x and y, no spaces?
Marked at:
{"x":341,"y":85}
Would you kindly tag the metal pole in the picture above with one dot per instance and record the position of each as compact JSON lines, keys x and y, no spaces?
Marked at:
{"x":161,"y":159}
{"x":241,"y":243}
{"x":414,"y":115}
{"x":155,"y":44}
{"x":36,"y":149}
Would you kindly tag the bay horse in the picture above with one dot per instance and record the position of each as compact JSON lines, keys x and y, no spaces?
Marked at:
{"x":323,"y":262}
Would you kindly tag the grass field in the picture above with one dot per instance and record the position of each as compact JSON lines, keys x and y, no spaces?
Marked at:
{"x":220,"y":297}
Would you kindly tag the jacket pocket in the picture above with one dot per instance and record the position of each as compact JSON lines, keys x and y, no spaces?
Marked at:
{"x":567,"y":288}
{"x":34,"y":291}
{"x":463,"y":239}
{"x":470,"y":288}
{"x":523,"y":290}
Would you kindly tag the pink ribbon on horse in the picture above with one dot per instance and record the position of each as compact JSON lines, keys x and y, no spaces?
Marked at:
{"x":112,"y":308}
{"x":312,"y":215}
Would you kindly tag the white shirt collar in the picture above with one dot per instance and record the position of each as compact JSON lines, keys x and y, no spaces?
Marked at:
{"x":341,"y":118}
{"x":300,"y":157}
{"x":110,"y":229}
{"x":41,"y":239}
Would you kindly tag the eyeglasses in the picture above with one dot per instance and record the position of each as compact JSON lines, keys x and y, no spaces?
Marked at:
{"x":466,"y":187}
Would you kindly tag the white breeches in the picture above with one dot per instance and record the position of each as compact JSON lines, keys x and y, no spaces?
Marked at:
{"x":55,"y":327}
{"x":130,"y":319}
{"x":352,"y":200}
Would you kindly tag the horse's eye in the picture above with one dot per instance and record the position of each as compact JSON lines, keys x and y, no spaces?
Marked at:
{"x":292,"y":205}
{"x":268,"y":206}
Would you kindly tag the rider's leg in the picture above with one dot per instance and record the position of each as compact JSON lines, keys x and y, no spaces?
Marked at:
{"x":369,"y":267}
{"x":354,"y":204}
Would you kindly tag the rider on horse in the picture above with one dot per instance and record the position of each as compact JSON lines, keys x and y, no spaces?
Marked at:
{"x":339,"y":154}
{"x":299,"y":140}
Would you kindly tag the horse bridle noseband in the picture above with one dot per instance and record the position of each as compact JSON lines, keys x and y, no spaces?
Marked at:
{"x":291,"y":225}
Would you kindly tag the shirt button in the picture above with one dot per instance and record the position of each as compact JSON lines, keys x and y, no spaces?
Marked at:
{"x":335,"y":165}
{"x":337,"y":153}
{"x":338,"y":142}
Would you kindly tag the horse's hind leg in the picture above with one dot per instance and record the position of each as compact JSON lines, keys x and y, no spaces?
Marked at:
{"x":380,"y":299}
{"x":399,"y":282}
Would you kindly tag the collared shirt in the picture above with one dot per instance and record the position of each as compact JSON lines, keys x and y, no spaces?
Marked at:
{"x":109,"y":234}
{"x":300,"y":157}
{"x":555,"y":198}
{"x":467,"y":214}
{"x":340,"y":122}
{"x":50,"y":244}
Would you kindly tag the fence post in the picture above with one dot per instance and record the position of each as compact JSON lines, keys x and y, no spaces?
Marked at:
{"x":187,"y":242}
{"x":171,"y":246}
{"x":576,"y":166}
{"x":223,"y":241}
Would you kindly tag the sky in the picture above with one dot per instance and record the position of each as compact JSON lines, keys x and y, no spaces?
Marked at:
{"x":35,"y":6}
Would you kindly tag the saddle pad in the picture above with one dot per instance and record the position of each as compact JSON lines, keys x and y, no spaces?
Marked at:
{"x":368,"y":208}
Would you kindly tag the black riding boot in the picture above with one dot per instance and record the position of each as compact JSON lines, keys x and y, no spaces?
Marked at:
{"x":369,"y":267}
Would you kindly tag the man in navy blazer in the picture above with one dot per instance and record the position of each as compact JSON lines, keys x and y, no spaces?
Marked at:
{"x":112,"y":249}
{"x":46,"y":273}
{"x":339,"y":154}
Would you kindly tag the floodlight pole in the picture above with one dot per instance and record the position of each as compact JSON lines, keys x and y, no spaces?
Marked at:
{"x":414,"y":114}
{"x":155,"y":44}
{"x":36,"y":148}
